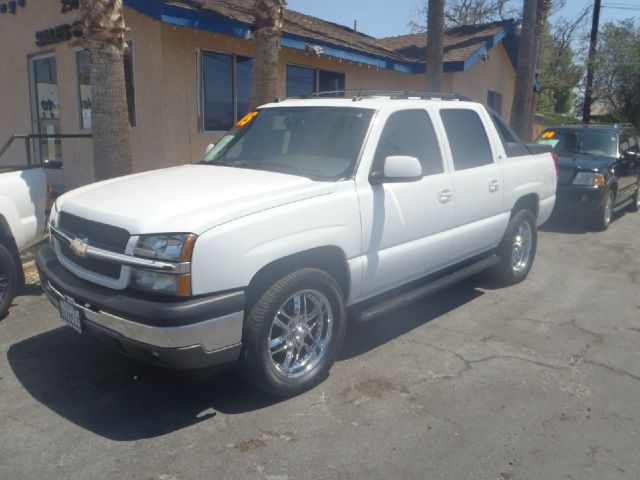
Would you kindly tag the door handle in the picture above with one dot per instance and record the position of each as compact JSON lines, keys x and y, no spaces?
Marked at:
{"x":494,"y":185}
{"x":445,"y":195}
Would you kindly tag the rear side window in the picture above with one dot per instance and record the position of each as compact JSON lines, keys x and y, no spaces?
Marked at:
{"x":410,"y":133}
{"x":467,"y":138}
{"x":513,"y":147}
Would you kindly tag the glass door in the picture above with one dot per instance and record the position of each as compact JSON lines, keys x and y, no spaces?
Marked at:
{"x":45,"y":107}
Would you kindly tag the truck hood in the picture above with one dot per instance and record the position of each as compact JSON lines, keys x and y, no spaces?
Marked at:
{"x":189,"y":198}
{"x":585,"y":162}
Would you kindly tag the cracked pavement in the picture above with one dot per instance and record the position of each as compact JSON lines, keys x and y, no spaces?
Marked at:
{"x":536,"y":381}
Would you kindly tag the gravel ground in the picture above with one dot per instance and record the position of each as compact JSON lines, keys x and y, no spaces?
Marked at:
{"x":537,"y":381}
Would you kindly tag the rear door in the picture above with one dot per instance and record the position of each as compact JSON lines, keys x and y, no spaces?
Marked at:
{"x":477,"y":180}
{"x":628,"y":166}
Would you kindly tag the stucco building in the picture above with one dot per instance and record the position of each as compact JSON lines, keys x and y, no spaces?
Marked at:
{"x":189,"y":70}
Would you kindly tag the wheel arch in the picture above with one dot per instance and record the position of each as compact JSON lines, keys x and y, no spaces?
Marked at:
{"x":530,"y":202}
{"x":7,"y":239}
{"x":329,"y":258}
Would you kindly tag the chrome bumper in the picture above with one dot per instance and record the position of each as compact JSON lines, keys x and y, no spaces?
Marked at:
{"x":212,"y":335}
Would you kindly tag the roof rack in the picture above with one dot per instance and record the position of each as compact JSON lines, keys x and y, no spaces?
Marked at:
{"x":597,"y":124}
{"x":361,"y":94}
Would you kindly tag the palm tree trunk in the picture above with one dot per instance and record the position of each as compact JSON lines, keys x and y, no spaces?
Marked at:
{"x":269,"y":18}
{"x":102,"y":33}
{"x":112,"y":155}
{"x":435,"y":48}
{"x":525,"y":70}
{"x":542,"y":12}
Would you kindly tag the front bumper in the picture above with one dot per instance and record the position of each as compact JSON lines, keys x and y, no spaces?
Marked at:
{"x":579,"y":199}
{"x":194,"y":333}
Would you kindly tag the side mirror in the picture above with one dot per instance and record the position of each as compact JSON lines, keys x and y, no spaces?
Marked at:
{"x":397,"y":169}
{"x":209,"y":148}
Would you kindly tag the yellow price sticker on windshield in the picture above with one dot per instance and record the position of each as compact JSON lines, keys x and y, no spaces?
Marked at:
{"x":247,"y":118}
{"x":549,"y":134}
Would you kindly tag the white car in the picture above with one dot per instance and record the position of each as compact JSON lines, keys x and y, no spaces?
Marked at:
{"x":306,"y":209}
{"x":23,"y":193}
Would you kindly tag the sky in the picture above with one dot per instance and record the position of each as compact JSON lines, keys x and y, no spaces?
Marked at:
{"x":382,"y":18}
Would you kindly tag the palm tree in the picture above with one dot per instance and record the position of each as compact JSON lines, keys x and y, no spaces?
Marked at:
{"x":435,"y":48}
{"x":269,"y":18}
{"x":525,"y":71}
{"x":102,"y":34}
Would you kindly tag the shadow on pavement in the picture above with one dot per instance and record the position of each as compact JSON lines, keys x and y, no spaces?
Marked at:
{"x":362,"y":337}
{"x":122,"y":399}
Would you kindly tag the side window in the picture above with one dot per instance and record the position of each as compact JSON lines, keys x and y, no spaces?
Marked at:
{"x":410,"y":132}
{"x":633,"y":143}
{"x":513,"y":147}
{"x":467,"y":138}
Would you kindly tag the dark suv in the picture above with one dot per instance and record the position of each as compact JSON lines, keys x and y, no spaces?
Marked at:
{"x":599,"y":169}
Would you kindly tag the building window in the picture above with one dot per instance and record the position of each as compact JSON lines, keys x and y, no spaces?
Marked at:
{"x":226,"y":85}
{"x":84,"y":86}
{"x":494,"y":101}
{"x":304,"y":80}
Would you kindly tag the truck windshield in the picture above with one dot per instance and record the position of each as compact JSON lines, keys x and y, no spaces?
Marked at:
{"x":585,"y":141}
{"x":317,"y":142}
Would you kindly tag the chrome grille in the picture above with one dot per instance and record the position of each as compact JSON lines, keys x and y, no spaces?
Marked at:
{"x":100,"y":235}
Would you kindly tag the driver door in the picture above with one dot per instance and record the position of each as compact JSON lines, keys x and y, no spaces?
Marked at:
{"x":407,"y":227}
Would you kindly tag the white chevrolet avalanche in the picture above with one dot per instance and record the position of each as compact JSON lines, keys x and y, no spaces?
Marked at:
{"x":306,"y":210}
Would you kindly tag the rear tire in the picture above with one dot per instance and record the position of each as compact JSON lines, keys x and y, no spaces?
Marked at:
{"x":603,"y":217}
{"x":635,"y":204}
{"x":518,"y":248}
{"x":293,"y":333}
{"x":8,"y":279}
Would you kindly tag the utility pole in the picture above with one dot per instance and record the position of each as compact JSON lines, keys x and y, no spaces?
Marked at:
{"x":588,"y":92}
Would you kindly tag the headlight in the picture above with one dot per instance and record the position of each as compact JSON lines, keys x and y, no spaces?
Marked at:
{"x":169,"y":247}
{"x":173,"y":248}
{"x":590,"y":178}
{"x":53,"y":220}
{"x":168,"y":283}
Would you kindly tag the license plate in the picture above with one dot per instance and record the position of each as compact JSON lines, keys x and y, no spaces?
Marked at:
{"x":70,"y":315}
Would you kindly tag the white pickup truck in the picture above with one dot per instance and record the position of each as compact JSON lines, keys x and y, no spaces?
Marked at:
{"x":23,"y":193}
{"x":305,"y":210}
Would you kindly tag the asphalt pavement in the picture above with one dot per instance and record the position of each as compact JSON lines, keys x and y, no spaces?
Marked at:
{"x":536,"y":381}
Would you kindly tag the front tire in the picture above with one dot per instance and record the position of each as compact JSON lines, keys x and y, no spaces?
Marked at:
{"x":293,"y":333}
{"x":8,"y":279}
{"x":518,"y":248}
{"x":605,"y":212}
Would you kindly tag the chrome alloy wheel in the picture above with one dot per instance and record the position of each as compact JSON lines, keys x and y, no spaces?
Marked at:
{"x":300,"y":333}
{"x":608,"y":209}
{"x":521,"y":250}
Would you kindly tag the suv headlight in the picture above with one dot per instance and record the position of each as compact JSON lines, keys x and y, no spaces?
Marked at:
{"x":590,"y":178}
{"x":176,"y":248}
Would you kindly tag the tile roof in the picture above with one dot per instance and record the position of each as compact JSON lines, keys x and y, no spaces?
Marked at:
{"x":459,"y":43}
{"x":298,"y":24}
{"x":405,"y":52}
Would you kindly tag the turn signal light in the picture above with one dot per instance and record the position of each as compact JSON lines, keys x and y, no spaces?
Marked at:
{"x":556,"y":161}
{"x":599,"y":180}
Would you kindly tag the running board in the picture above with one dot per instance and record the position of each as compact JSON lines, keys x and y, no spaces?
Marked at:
{"x":424,"y":289}
{"x":623,"y":205}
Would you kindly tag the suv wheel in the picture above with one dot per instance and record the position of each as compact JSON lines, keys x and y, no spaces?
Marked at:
{"x":293,"y":333}
{"x":8,"y":279}
{"x":605,"y":212}
{"x":518,"y":248}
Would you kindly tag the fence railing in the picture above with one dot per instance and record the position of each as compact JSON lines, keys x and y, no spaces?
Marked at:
{"x":28,"y":137}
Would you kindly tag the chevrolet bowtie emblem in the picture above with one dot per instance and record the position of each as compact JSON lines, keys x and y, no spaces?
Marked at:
{"x":79,"y":247}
